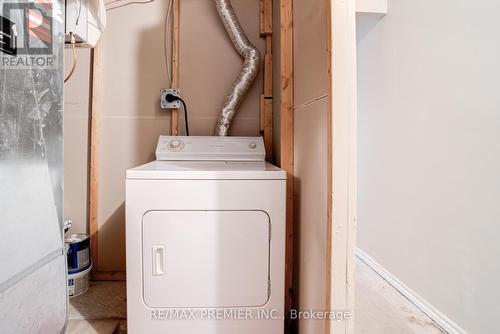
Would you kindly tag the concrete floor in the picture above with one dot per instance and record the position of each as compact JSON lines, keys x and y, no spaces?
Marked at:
{"x":381,"y":309}
{"x":101,"y":310}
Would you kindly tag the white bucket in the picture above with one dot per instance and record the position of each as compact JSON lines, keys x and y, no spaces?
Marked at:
{"x":78,"y":283}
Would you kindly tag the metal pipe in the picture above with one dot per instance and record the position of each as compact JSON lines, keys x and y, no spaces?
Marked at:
{"x":248,"y":73}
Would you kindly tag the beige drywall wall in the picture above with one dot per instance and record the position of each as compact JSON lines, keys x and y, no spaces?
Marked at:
{"x":76,"y":122}
{"x":310,"y":159}
{"x":210,"y":64}
{"x":133,"y":74}
{"x":429,"y":147}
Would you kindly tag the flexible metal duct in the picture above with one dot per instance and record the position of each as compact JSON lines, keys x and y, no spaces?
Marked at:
{"x":248,"y":73}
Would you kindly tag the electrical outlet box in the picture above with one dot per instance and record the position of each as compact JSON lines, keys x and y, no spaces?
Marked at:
{"x":170,"y":105}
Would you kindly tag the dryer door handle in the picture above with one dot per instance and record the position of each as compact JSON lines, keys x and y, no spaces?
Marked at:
{"x":158,"y":260}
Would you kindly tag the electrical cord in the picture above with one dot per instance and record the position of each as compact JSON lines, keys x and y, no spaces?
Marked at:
{"x":167,"y":30}
{"x":73,"y":68}
{"x":185,"y":115}
{"x":79,"y":12}
{"x":172,"y":98}
{"x":125,"y":4}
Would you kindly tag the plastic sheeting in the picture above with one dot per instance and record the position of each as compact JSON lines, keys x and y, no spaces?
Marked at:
{"x":33,"y":271}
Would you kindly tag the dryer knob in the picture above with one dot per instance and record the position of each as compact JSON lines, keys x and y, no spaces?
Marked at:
{"x":175,"y":145}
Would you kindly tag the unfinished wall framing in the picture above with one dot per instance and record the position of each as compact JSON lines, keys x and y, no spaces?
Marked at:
{"x":95,"y":73}
{"x":265,"y":115}
{"x":266,"y":99}
{"x":278,"y":129}
{"x":311,"y":168}
{"x":175,"y":61}
{"x":324,"y":164}
{"x":284,"y":141}
{"x":94,"y":146}
{"x":342,"y":150}
{"x":287,"y":135}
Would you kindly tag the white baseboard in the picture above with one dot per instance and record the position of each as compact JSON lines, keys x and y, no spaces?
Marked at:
{"x":439,"y":318}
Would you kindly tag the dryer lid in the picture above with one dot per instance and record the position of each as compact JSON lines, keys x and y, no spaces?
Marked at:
{"x":207,"y":170}
{"x":210,"y":148}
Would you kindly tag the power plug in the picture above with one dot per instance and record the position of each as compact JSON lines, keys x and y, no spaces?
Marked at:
{"x":166,"y":98}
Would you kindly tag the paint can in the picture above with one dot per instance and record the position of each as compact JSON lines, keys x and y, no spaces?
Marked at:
{"x":78,"y":283}
{"x":77,"y":252}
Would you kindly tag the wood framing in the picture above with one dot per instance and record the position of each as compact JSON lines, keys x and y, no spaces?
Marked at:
{"x":286,"y":125}
{"x":266,"y":100}
{"x":95,"y":118}
{"x":94,"y":140}
{"x":269,"y":44}
{"x":175,"y":61}
{"x":287,"y":134}
{"x":329,"y":171}
{"x":268,"y":128}
{"x":268,"y":75}
{"x":341,"y":161}
{"x":266,"y":17}
{"x":266,"y":125}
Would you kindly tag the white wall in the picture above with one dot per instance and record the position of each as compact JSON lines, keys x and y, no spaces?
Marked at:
{"x":429,"y":152}
{"x":342,"y":156}
{"x":371,"y":6}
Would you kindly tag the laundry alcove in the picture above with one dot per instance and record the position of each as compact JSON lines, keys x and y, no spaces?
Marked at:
{"x":304,"y":111}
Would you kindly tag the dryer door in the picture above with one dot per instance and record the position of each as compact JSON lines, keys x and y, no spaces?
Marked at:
{"x":205,"y":258}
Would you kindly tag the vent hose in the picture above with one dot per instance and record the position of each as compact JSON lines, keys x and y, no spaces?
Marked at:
{"x":248,"y":73}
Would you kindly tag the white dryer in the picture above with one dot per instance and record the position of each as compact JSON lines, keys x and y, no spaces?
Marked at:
{"x":205,"y":238}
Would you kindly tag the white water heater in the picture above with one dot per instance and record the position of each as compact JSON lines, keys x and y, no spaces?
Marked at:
{"x":86,"y":20}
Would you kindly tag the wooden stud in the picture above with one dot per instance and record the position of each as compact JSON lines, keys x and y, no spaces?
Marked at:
{"x":266,"y":125}
{"x":268,"y":75}
{"x":262,"y":113}
{"x":341,"y":113}
{"x":266,"y":17}
{"x":268,"y":128}
{"x":175,"y":63}
{"x":268,"y":113}
{"x":261,"y":16}
{"x":287,"y":135}
{"x":329,"y":155}
{"x":95,"y":119}
{"x":95,"y":138}
{"x":269,"y":44}
{"x":266,"y":106}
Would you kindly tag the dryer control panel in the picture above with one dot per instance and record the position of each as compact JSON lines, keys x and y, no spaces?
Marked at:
{"x":210,"y":148}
